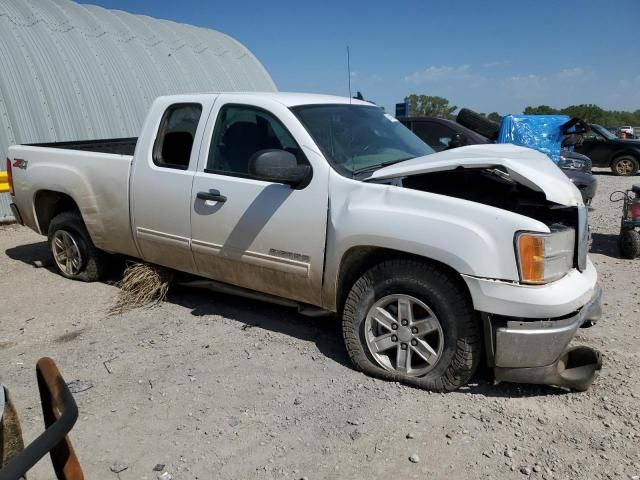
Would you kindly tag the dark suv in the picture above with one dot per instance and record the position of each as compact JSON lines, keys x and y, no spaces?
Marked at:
{"x":441,"y":134}
{"x":606,"y":150}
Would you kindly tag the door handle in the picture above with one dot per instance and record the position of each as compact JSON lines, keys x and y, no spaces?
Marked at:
{"x":212,"y":195}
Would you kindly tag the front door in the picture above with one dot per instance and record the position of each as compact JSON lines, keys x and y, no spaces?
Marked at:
{"x":256,"y":234}
{"x":596,"y":147}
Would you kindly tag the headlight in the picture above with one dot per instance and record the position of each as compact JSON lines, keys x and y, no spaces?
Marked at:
{"x":572,"y":163}
{"x":545,"y":257}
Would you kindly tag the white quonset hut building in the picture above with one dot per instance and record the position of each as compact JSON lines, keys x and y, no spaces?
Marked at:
{"x":72,"y":72}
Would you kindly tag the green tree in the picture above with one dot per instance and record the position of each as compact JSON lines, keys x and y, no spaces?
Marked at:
{"x":590,"y":113}
{"x":429,"y":106}
{"x":495,"y":116}
{"x":540,"y":110}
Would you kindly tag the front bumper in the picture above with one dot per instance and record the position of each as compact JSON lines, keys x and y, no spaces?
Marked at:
{"x":535,"y":351}
{"x":536,"y":343}
{"x":586,"y":183}
{"x":552,"y":300}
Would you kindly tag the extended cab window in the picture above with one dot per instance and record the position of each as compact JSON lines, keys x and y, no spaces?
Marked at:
{"x":176,"y":134}
{"x":241,"y":131}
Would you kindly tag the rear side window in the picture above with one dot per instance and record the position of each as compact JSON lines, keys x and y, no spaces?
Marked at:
{"x":176,"y":134}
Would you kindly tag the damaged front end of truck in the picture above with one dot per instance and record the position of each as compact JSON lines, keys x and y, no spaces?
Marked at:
{"x":530,"y":315}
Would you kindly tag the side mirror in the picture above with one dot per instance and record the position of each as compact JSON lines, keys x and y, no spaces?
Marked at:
{"x":279,"y":166}
{"x":60,"y":414}
{"x":458,"y":140}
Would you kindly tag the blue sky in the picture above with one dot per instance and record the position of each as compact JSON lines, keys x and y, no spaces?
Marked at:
{"x":501,"y":57}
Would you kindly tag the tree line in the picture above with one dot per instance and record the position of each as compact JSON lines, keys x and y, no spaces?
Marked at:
{"x":590,"y":113}
{"x":434,"y":106}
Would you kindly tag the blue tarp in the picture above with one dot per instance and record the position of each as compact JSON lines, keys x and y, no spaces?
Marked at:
{"x":541,"y":132}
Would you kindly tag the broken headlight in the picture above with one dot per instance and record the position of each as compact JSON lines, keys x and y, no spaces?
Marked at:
{"x":572,"y":163}
{"x":545,"y":257}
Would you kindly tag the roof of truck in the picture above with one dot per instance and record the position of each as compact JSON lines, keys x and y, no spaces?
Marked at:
{"x":292,"y":99}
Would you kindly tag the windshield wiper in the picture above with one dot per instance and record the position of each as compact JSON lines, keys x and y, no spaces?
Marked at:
{"x":377,"y":166}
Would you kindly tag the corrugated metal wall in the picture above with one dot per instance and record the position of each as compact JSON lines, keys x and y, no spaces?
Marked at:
{"x":70,"y":71}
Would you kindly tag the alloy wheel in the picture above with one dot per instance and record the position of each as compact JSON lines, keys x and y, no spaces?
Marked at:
{"x":66,"y":253}
{"x":404,"y":335}
{"x":624,"y":167}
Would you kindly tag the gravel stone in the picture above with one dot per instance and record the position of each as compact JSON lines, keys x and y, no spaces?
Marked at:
{"x":118,"y":467}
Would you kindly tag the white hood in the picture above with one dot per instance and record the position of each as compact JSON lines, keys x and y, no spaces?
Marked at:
{"x":526,"y":166}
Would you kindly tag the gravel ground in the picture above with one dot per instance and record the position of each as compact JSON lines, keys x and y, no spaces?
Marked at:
{"x":220,"y":387}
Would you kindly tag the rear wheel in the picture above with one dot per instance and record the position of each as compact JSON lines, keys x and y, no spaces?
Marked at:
{"x":74,"y":254}
{"x":625,"y":166}
{"x":629,"y":243}
{"x":410,"y":321}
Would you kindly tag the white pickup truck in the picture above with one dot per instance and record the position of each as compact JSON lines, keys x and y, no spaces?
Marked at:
{"x":435,"y":262}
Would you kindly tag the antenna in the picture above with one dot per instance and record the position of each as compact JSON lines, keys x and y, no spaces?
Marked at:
{"x":349,"y":72}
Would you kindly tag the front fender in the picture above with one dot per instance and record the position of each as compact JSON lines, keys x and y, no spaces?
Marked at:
{"x":472,"y":238}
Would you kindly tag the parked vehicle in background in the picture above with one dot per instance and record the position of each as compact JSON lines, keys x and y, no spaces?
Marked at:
{"x":628,"y":130}
{"x":606,"y":150}
{"x":441,"y":134}
{"x":330,"y":205}
{"x":629,"y":240}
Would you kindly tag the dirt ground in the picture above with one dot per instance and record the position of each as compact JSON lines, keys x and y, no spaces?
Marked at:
{"x":219,"y":387}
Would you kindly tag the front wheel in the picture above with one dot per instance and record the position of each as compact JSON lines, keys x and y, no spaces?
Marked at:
{"x":625,"y":166}
{"x":413,"y":322}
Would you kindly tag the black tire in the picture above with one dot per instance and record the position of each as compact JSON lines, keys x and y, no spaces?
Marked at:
{"x":476,"y":122}
{"x":93,"y":262}
{"x":444,"y":294}
{"x":629,"y":244}
{"x":625,"y":166}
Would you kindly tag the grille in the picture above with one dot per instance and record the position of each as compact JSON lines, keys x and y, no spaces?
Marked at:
{"x":583,"y":237}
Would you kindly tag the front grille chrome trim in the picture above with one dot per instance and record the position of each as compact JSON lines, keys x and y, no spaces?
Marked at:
{"x":583,"y":237}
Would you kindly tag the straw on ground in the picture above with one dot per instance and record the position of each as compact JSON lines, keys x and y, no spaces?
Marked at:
{"x":142,"y":285}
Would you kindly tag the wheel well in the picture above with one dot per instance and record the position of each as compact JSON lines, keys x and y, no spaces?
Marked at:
{"x":48,"y":204}
{"x":357,"y":260}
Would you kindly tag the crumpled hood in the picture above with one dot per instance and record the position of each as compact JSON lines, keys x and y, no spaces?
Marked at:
{"x":526,"y":166}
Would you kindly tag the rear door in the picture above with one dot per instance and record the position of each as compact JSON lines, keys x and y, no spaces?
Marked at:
{"x":163,"y":171}
{"x":263,"y":236}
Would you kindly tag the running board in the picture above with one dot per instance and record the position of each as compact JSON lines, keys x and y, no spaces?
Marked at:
{"x":219,"y":287}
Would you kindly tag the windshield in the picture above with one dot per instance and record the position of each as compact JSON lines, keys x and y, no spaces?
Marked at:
{"x":604,"y":132}
{"x":357,"y":138}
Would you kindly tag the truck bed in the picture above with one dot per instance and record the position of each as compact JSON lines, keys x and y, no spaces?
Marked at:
{"x":93,"y":174}
{"x":117,"y":146}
